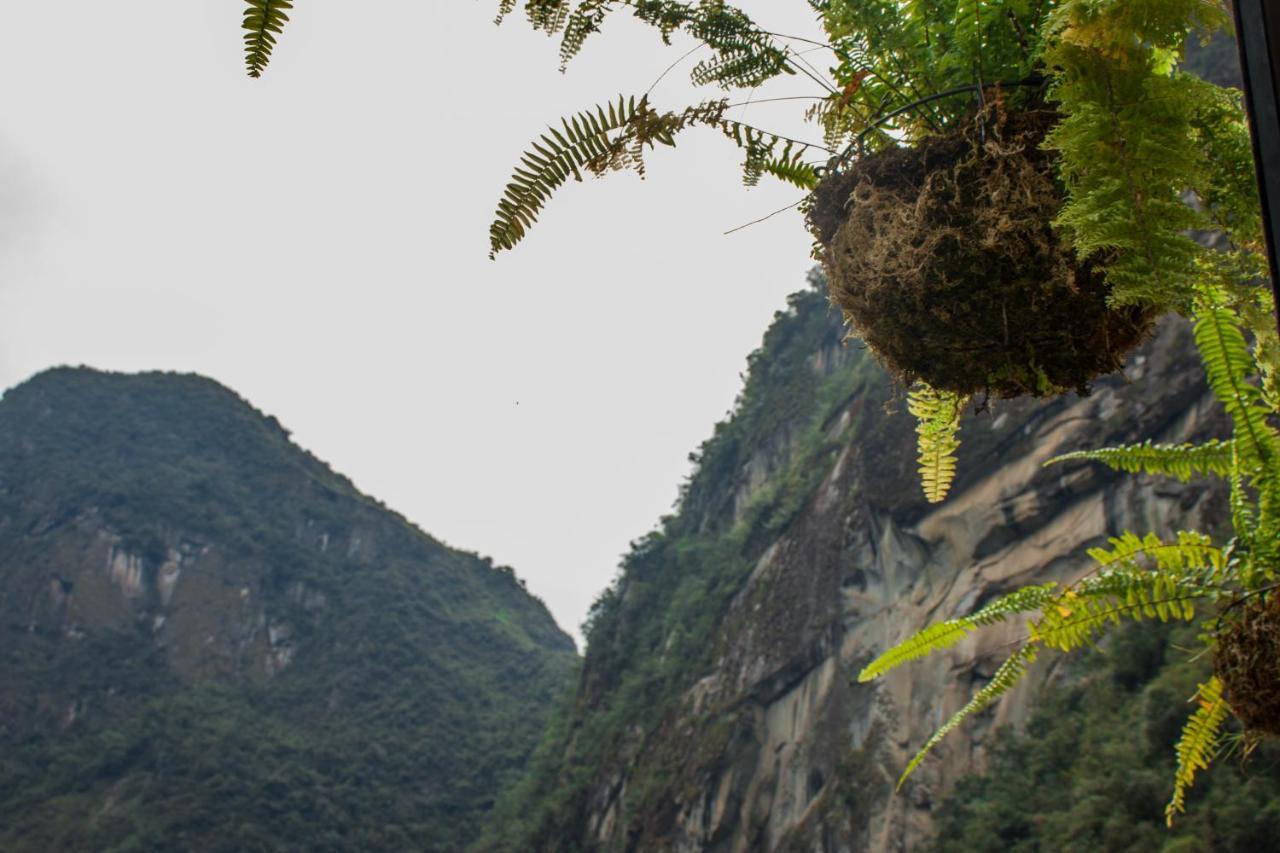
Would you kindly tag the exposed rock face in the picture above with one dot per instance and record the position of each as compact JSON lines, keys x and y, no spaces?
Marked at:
{"x":209,"y":640}
{"x":769,"y":744}
{"x":852,"y":577}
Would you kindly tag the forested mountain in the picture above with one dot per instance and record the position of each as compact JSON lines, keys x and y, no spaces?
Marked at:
{"x":718,"y":707}
{"x":211,"y":641}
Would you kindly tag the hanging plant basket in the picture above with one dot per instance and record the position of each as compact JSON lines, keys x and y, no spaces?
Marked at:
{"x":944,"y":261}
{"x":1248,"y":662}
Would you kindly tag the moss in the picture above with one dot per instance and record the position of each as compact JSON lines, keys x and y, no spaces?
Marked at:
{"x":945,"y":262}
{"x":1248,"y":662}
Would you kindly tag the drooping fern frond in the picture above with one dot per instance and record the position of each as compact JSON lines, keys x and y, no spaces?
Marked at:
{"x":1230,"y":366}
{"x":1009,"y":674}
{"x":1189,"y":550}
{"x":743,"y":55}
{"x":1191,"y":559}
{"x":1138,"y":577}
{"x":937,"y":422}
{"x":944,"y":635}
{"x":592,"y":141}
{"x":790,"y":168}
{"x":263,"y":21}
{"x":613,"y":137}
{"x":763,"y":156}
{"x":549,"y":16}
{"x":1128,"y":140}
{"x":1081,"y":614}
{"x":1198,"y":744}
{"x":1181,"y":461}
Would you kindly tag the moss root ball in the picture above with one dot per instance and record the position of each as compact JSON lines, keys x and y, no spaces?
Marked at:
{"x":944,"y":261}
{"x":1248,"y":662}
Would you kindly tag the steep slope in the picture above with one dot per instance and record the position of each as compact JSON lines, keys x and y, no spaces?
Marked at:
{"x":717,"y":708}
{"x":213,"y":642}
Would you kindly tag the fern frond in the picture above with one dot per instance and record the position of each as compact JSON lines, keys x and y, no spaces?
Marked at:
{"x":1181,"y":461}
{"x":791,"y":170}
{"x":550,"y":16}
{"x":1229,"y":365}
{"x":581,"y":141}
{"x":613,"y":137}
{"x":1198,"y":744}
{"x":944,"y":635}
{"x":263,"y":20}
{"x":1082,"y":614}
{"x":937,"y":422}
{"x":1009,"y":674}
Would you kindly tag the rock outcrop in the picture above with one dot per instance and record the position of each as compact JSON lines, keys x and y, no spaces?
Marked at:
{"x":764,"y":741}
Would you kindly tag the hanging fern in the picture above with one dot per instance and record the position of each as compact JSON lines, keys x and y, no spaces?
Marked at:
{"x":263,"y":21}
{"x":743,"y":55}
{"x":1128,"y":140}
{"x":1198,"y":744}
{"x":937,"y":423}
{"x":1138,"y":578}
{"x":944,"y":635}
{"x":613,"y":137}
{"x":1229,"y":366}
{"x":1181,"y":461}
{"x":1006,"y":677}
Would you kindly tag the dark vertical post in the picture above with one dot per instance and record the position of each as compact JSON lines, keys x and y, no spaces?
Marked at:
{"x":1258,"y":35}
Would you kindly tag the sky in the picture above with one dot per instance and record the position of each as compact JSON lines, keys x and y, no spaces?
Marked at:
{"x":317,"y":241}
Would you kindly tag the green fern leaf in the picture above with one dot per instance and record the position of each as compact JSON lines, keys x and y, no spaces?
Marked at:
{"x":1198,"y":744}
{"x":1009,"y":674}
{"x":1229,"y":366}
{"x":792,"y":171}
{"x":263,"y":21}
{"x":944,"y":635}
{"x":937,"y":422}
{"x":1181,"y":461}
{"x":580,"y":144}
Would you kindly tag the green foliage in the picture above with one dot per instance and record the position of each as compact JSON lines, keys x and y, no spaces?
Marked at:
{"x":937,"y":416}
{"x":944,"y":635}
{"x":1145,"y":577}
{"x":1136,"y":136}
{"x":1229,"y":366}
{"x":263,"y":21}
{"x":1006,"y":676}
{"x":1090,"y":771}
{"x":1138,"y":577}
{"x":743,"y":55}
{"x":613,"y":137}
{"x":1198,"y":744}
{"x":420,"y":676}
{"x":1181,"y":461}
{"x":894,"y":54}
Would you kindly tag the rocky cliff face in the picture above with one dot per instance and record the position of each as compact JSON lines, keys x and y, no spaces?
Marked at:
{"x":212,"y":641}
{"x":718,"y":708}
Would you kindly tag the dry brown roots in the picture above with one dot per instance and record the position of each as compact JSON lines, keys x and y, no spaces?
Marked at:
{"x":1248,"y":662}
{"x":944,"y":261}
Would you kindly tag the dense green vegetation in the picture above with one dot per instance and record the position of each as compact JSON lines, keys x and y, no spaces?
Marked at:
{"x":1091,"y":771}
{"x":419,"y":679}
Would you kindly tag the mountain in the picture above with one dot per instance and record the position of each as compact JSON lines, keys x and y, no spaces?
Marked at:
{"x":718,"y":709}
{"x":211,"y":641}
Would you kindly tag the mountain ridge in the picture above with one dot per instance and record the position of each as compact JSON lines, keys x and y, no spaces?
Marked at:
{"x":215,"y":640}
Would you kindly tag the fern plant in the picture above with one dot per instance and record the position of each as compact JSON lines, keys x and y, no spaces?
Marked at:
{"x":1135,"y":136}
{"x":263,"y":21}
{"x":937,"y":416}
{"x":1149,"y":577}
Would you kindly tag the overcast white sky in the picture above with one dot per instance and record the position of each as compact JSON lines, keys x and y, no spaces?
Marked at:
{"x":317,"y":241}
